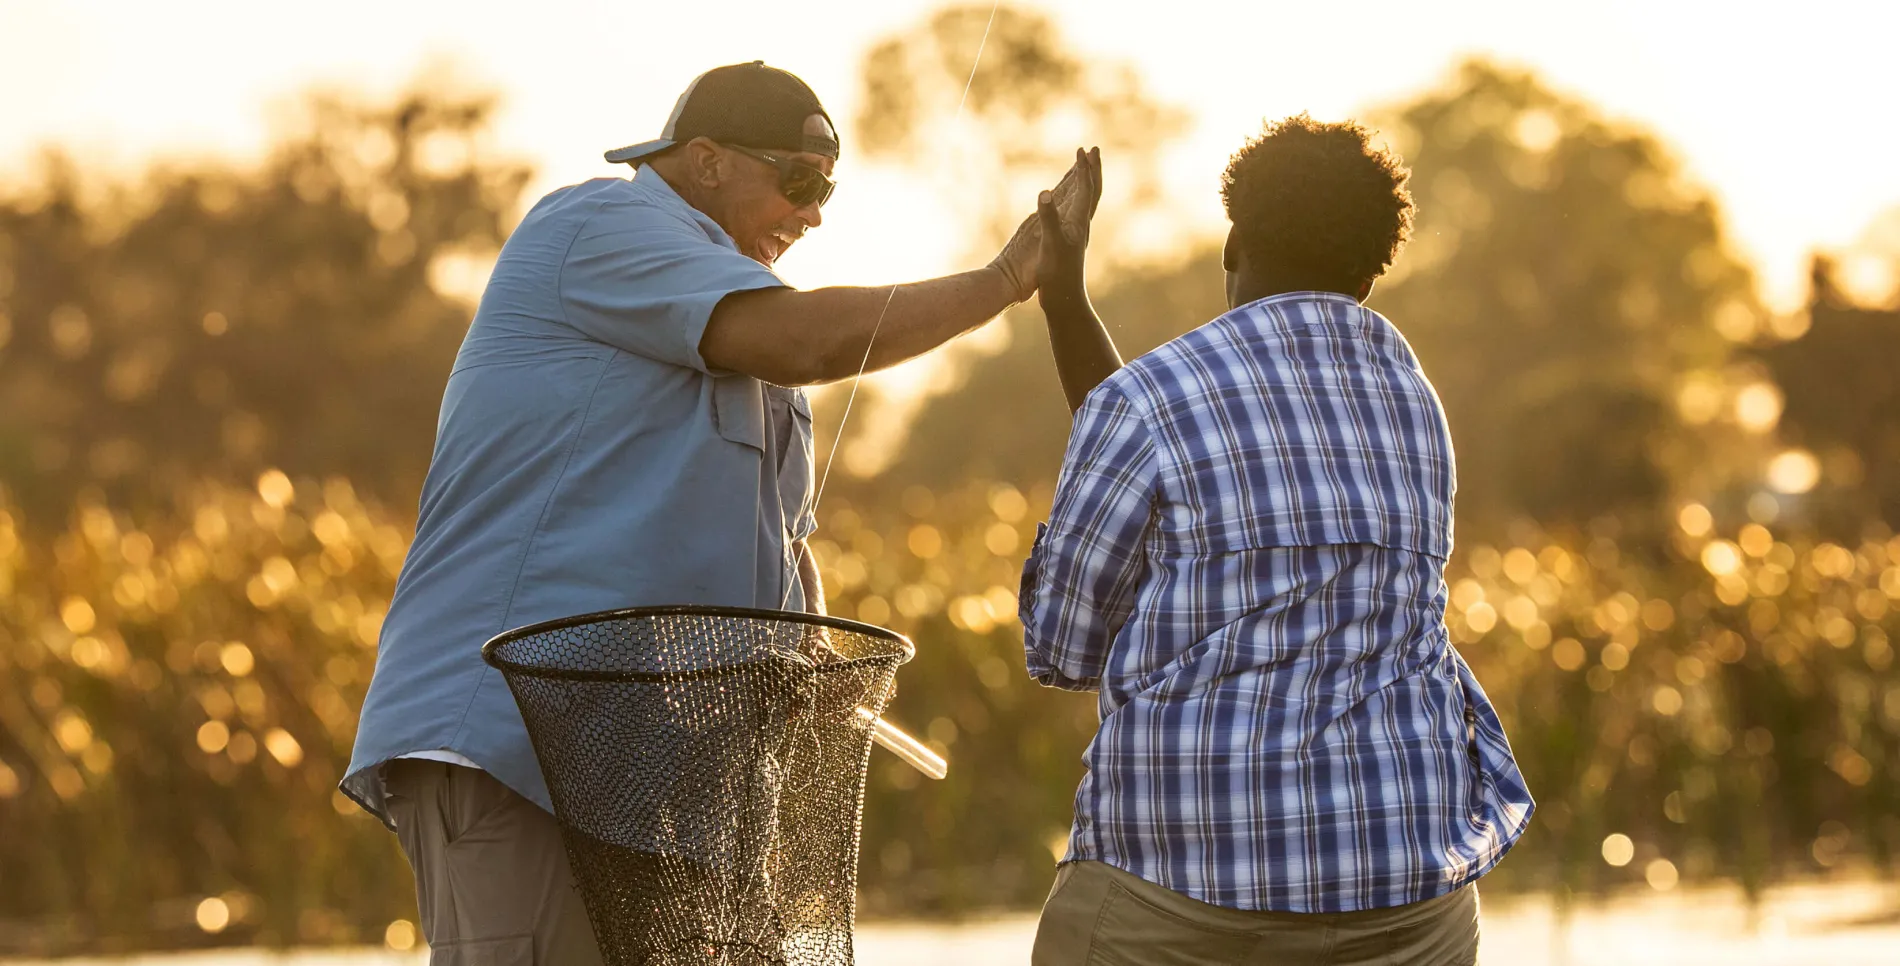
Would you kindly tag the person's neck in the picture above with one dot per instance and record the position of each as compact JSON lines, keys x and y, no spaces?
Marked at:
{"x":1248,"y":289}
{"x":670,"y":173}
{"x":676,"y":177}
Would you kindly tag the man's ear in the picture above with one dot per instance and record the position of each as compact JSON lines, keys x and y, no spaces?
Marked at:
{"x":1230,"y":251}
{"x":1365,"y":289}
{"x":704,"y":161}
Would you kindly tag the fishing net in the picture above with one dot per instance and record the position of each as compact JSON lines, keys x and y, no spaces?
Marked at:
{"x":707,"y":768}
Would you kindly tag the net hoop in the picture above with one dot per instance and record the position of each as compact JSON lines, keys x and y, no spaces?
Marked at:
{"x":491,"y":651}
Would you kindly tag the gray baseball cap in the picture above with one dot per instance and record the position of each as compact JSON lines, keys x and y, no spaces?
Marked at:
{"x":749,"y":105}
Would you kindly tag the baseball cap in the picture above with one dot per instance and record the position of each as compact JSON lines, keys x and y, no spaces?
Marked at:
{"x":750,"y":105}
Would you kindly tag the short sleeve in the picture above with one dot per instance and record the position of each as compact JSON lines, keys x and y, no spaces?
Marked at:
{"x":646,"y":280}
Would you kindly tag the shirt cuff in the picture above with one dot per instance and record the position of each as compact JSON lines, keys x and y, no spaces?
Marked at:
{"x":1041,"y":669}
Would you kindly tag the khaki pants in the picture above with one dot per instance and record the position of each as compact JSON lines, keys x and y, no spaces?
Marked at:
{"x":492,"y":880}
{"x":1098,"y":915}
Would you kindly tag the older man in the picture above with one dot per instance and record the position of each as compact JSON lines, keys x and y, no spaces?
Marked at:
{"x":622,"y":427}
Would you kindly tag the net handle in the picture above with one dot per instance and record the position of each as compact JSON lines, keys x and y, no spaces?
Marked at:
{"x":915,"y":753}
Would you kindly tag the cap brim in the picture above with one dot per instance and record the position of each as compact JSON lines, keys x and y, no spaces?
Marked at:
{"x":634,"y":152}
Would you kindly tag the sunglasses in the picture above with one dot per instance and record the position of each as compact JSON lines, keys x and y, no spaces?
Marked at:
{"x":800,"y":183}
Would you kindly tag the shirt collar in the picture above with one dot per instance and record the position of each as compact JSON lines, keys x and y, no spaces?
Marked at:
{"x":1286,"y":297}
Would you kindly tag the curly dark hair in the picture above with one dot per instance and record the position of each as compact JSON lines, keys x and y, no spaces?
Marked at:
{"x":1316,"y":206}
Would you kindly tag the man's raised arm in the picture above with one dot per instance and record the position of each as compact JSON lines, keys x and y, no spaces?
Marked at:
{"x":799,"y":338}
{"x":1085,"y":355}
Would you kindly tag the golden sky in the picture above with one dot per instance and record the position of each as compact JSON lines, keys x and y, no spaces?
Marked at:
{"x":1785,"y":111}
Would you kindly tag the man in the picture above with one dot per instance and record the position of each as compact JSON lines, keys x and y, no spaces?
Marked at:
{"x":622,"y":427}
{"x":1245,"y":559}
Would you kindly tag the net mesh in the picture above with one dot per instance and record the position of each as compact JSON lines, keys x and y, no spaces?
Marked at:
{"x":707,"y":769}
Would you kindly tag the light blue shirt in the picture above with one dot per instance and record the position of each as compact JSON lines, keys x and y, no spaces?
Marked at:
{"x":586,"y":458}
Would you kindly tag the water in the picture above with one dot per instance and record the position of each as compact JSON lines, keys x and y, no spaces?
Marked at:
{"x":1841,"y":924}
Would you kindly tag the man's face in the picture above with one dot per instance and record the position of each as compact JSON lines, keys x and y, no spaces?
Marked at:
{"x":754,"y":211}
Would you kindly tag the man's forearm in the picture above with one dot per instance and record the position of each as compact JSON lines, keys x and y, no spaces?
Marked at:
{"x":1085,"y":355}
{"x":793,"y":338}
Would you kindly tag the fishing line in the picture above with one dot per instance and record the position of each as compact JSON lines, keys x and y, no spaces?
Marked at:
{"x":837,"y":438}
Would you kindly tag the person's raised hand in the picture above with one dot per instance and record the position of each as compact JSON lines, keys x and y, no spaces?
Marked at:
{"x":1020,"y":256}
{"x":1064,"y":232}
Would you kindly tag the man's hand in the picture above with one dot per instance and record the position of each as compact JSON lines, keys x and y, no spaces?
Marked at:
{"x":791,"y":338}
{"x":1065,"y":240}
{"x":1085,"y":355}
{"x":1073,"y":201}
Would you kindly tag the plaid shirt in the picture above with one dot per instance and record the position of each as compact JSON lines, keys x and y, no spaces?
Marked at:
{"x":1245,"y":559}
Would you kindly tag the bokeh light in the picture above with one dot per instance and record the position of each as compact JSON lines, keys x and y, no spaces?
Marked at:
{"x":1618,"y":850}
{"x":1661,"y":874}
{"x":213,"y":914}
{"x":401,"y":935}
{"x":1794,"y":471}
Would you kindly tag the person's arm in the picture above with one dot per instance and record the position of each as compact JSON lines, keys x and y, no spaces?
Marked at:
{"x":1083,"y":573}
{"x":789,"y":337}
{"x":808,"y":579}
{"x":792,"y":338}
{"x":1085,"y":354}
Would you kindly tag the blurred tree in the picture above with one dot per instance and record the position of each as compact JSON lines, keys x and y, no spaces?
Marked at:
{"x":1731,"y":711}
{"x":211,"y":320}
{"x":180,"y":664}
{"x":1006,"y":418}
{"x":178,"y":696}
{"x":1570,"y":297}
{"x":1031,"y":101}
{"x":1578,"y":310}
{"x":1021,"y":109}
{"x":181,"y":660}
{"x":1841,"y":396}
{"x":1564,"y":287}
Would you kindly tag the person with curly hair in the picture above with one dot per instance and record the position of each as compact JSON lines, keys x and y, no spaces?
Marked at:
{"x":1245,"y":561}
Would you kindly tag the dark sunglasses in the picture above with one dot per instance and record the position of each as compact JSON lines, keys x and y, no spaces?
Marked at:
{"x":800,"y":183}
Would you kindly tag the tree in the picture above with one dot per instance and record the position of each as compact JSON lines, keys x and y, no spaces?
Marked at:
{"x":1022,"y":102}
{"x":1031,"y":101}
{"x":216,"y":321}
{"x":1838,"y":380}
{"x":1563,"y":286}
{"x":1570,"y":296}
{"x":184,"y":642}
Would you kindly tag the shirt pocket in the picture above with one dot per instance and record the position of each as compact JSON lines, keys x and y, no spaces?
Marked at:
{"x":739,"y":410}
{"x":795,"y":480}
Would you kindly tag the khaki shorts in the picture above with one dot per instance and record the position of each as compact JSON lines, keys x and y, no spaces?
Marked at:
{"x":492,"y":880}
{"x":1098,"y":915}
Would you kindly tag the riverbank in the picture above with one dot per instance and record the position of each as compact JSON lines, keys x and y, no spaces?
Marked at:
{"x":1840,"y":924}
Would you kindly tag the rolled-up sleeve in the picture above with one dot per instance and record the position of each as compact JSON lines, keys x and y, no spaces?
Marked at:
{"x":646,"y":281}
{"x":1079,"y":584}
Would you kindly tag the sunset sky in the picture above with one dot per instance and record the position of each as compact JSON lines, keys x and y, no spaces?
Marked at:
{"x":1788,"y":118}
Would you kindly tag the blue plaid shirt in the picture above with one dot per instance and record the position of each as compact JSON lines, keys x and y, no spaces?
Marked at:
{"x":1245,"y":559}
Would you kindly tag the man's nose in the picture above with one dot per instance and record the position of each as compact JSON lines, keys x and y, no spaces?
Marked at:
{"x":811,"y":216}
